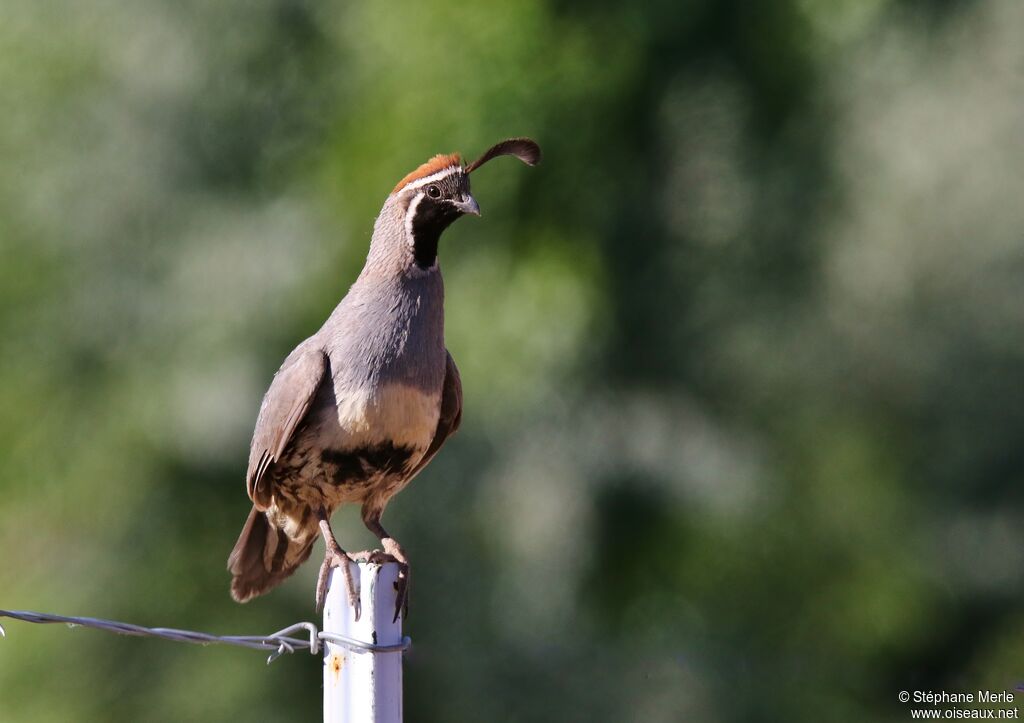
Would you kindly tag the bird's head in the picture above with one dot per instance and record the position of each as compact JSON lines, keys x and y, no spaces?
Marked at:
{"x":437,"y":193}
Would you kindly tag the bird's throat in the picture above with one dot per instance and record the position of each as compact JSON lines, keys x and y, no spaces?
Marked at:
{"x":430,"y":220}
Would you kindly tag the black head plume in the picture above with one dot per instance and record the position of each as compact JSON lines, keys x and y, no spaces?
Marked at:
{"x":525,"y":149}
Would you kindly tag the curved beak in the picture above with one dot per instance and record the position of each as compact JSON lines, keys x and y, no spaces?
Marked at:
{"x":467,"y":205}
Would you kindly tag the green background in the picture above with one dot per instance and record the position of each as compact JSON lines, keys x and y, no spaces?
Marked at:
{"x":743,"y":358}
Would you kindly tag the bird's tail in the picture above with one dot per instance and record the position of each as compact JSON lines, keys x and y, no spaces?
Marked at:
{"x":263,"y":556}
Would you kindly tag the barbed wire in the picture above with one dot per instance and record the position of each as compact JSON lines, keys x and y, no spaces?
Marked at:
{"x":279,"y":643}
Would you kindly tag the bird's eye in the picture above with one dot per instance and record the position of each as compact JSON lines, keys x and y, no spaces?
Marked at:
{"x":433,"y":191}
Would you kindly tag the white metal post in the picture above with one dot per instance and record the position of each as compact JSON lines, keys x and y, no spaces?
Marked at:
{"x":362,"y":686}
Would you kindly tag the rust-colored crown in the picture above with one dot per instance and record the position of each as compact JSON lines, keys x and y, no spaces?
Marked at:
{"x":435,"y":164}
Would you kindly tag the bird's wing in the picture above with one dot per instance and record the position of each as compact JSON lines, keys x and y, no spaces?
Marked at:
{"x":285,"y":404}
{"x":451,"y":413}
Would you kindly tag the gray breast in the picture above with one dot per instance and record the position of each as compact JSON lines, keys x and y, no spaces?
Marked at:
{"x":389,"y":331}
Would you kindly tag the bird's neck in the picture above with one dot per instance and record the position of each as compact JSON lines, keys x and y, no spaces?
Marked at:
{"x":395,"y":325}
{"x":406,"y":234}
{"x":424,"y":247}
{"x":425,"y":221}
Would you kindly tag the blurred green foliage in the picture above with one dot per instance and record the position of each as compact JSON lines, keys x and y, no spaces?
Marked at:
{"x":743,"y":358}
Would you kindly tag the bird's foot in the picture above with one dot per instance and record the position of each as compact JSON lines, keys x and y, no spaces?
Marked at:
{"x":340,"y":559}
{"x":392,"y":552}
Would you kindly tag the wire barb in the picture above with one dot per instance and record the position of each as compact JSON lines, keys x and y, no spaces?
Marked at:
{"x":278,"y":643}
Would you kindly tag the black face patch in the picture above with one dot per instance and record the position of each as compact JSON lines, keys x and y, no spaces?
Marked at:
{"x":432,"y":217}
{"x":434,"y":213}
{"x":353,"y":467}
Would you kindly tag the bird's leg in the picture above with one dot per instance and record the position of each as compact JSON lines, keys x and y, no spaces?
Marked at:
{"x":393,"y":552}
{"x":334,"y":556}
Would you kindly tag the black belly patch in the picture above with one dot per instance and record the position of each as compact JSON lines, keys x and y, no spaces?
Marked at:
{"x":353,"y":466}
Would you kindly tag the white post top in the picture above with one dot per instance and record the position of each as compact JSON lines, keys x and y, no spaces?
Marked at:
{"x":362,"y":686}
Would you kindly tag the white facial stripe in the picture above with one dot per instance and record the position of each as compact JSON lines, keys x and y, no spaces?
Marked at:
{"x":432,"y":178}
{"x":409,"y":214}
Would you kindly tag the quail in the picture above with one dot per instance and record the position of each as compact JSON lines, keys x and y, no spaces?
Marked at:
{"x":361,"y":406}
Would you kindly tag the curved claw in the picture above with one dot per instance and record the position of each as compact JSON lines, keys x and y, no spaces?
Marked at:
{"x":397,"y":554}
{"x":402,"y":592}
{"x":337,"y":560}
{"x":379,"y":557}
